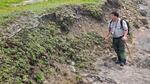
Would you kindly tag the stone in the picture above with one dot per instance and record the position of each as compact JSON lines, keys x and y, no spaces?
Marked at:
{"x":143,"y":12}
{"x":72,"y":63}
{"x":144,"y":20}
{"x":148,"y":27}
{"x":72,"y":68}
{"x":135,"y":24}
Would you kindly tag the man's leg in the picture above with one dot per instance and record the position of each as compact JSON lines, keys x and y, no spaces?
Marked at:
{"x":115,"y":46}
{"x":121,"y":49}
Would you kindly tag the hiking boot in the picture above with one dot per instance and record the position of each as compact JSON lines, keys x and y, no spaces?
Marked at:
{"x":125,"y":63}
{"x":122,"y":64}
{"x":117,"y":62}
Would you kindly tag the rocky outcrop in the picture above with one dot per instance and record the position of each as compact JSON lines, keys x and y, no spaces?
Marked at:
{"x":114,"y":3}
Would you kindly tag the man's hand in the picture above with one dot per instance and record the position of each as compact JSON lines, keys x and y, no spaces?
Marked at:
{"x":124,"y":38}
{"x":106,"y":39}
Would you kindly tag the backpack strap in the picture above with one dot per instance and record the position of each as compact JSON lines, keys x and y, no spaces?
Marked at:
{"x":110,"y":25}
{"x":121,"y":22}
{"x":110,"y":22}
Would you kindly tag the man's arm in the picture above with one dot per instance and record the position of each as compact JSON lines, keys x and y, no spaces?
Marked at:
{"x":109,"y":33}
{"x":125,"y":33}
{"x":125,"y":27}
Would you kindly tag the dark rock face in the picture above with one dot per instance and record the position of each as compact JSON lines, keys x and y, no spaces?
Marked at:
{"x":47,"y":17}
{"x":114,"y":3}
{"x":143,"y":12}
{"x":67,"y":15}
{"x":64,"y":17}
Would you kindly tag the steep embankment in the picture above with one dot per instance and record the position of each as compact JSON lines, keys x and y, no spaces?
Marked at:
{"x":62,"y":45}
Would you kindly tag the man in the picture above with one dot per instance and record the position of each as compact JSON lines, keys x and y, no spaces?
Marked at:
{"x":119,"y":35}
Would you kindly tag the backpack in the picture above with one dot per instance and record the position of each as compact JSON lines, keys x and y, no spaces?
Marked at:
{"x":121,"y":22}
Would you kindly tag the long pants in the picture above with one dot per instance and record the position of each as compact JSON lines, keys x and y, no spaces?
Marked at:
{"x":119,"y":47}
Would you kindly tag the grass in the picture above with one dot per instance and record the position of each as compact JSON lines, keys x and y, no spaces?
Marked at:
{"x":6,"y":6}
{"x":7,"y":3}
{"x":10,"y":11}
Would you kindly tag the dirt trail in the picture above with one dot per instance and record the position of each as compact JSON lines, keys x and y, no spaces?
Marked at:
{"x":138,"y":73}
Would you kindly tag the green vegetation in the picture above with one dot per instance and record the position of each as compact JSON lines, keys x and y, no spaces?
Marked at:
{"x":7,"y":5}
{"x":94,"y":10}
{"x":26,"y":56}
{"x":9,"y":12}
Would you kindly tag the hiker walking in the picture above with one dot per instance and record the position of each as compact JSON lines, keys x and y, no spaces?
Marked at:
{"x":118,"y":28}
